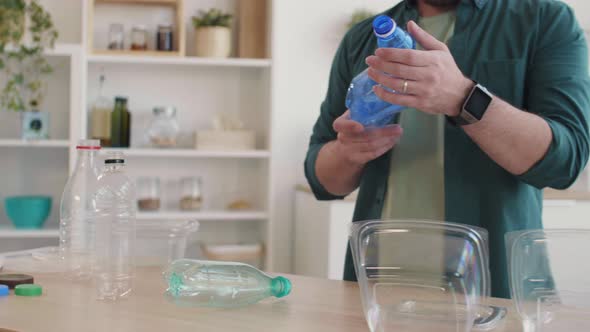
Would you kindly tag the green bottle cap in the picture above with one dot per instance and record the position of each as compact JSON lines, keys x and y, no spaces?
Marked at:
{"x":28,"y":290}
{"x":281,"y":287}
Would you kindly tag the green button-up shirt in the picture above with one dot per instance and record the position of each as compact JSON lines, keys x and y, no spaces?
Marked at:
{"x":530,"y":53}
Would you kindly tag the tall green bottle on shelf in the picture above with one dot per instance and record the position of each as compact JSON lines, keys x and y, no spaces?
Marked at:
{"x":120,"y":124}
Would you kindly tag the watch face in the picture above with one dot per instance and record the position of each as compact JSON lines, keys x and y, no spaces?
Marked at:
{"x":478,"y":103}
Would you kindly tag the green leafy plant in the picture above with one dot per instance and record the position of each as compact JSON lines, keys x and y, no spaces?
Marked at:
{"x":359,"y":16}
{"x":212,"y":18}
{"x":22,"y":62}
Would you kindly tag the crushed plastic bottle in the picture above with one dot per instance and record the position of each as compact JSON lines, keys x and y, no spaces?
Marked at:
{"x":365,"y":107}
{"x":114,"y":217}
{"x":221,"y":284}
{"x":76,"y":231}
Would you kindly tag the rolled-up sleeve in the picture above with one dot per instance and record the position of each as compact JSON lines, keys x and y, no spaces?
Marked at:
{"x":332,"y":107}
{"x":558,"y":90}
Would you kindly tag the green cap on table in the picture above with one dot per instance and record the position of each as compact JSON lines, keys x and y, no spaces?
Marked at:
{"x":28,"y":290}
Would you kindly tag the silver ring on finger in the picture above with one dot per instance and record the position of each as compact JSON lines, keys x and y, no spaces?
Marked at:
{"x":405,"y":88}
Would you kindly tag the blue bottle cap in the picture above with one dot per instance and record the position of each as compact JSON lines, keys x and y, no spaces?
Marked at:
{"x":4,"y":290}
{"x":383,"y":25}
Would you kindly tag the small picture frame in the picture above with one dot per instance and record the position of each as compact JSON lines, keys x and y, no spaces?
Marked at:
{"x":35,"y":125}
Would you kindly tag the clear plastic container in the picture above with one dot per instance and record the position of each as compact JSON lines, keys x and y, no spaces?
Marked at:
{"x":164,"y":129}
{"x":191,"y":196}
{"x":549,"y":278}
{"x":421,"y":275}
{"x":148,"y":193}
{"x":158,"y":243}
{"x":161,"y":242}
{"x":115,"y":224}
{"x":76,"y":227}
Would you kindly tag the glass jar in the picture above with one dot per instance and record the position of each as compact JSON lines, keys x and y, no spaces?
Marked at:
{"x":163,"y":130}
{"x":164,"y":38}
{"x":148,"y":193}
{"x":191,"y":194}
{"x":139,"y":38}
{"x":116,"y":36}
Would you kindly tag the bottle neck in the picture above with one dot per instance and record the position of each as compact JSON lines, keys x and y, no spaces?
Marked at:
{"x":120,"y":106}
{"x":280,"y":287}
{"x":86,"y":160}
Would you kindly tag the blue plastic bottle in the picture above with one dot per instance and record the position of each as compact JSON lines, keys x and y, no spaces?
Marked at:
{"x":365,"y":107}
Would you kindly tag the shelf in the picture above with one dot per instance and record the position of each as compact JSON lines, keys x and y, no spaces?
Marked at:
{"x":134,"y":54}
{"x":60,"y":50}
{"x":64,"y":50}
{"x":203,"y":216}
{"x":189,"y":153}
{"x":9,"y":232}
{"x":34,"y":143}
{"x":128,"y":58}
{"x":141,"y":2}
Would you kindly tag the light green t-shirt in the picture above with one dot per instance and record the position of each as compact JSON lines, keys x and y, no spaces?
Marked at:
{"x":416,"y":177}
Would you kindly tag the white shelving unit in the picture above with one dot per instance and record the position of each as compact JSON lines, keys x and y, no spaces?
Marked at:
{"x":56,"y":143}
{"x":199,"y":88}
{"x":41,"y":167}
{"x":179,"y":61}
{"x":190,"y":153}
{"x":203,"y":216}
{"x":13,"y":233}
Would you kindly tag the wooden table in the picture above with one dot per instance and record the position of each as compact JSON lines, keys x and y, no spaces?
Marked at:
{"x":314,"y":305}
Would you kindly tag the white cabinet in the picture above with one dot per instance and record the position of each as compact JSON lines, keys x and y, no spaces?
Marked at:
{"x":566,"y":214}
{"x":321,"y":235}
{"x":321,"y":230}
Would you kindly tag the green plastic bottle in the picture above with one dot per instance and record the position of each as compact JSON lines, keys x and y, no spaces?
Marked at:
{"x":221,"y":284}
{"x":120,"y":124}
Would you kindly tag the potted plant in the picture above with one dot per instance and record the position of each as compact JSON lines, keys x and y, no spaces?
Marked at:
{"x":212,"y":33}
{"x":26,"y":30}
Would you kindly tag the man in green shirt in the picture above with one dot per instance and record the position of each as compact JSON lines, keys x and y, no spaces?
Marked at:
{"x":485,"y":169}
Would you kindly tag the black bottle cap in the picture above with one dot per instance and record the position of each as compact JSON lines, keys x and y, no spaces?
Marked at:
{"x":114,"y":161}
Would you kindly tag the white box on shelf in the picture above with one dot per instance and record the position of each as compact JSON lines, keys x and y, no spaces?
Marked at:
{"x":245,"y":253}
{"x":225,"y":140}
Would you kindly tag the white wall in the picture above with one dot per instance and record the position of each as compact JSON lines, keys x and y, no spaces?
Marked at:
{"x":67,"y":17}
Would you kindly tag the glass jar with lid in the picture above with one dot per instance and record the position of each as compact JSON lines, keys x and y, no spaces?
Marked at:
{"x":139,"y":38}
{"x":116,"y":36}
{"x":163,"y":130}
{"x":148,"y":193}
{"x":191,"y":193}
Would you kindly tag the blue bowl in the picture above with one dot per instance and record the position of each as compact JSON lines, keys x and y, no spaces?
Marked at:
{"x":28,"y":212}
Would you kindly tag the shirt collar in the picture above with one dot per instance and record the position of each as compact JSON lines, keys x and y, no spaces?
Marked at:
{"x":478,"y":3}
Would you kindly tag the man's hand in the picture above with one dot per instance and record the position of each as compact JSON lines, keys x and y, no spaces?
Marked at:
{"x":340,"y":163}
{"x":435,"y":84}
{"x":359,"y":146}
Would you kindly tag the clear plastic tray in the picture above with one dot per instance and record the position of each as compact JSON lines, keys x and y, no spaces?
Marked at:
{"x":419,"y":275}
{"x":161,"y":242}
{"x":549,"y":278}
{"x":157,"y":244}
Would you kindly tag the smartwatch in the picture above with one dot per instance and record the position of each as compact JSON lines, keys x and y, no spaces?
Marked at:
{"x":474,"y":108}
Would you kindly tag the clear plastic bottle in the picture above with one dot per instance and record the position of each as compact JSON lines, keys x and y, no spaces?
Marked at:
{"x":221,"y":284}
{"x":114,"y":216}
{"x":76,"y":231}
{"x":365,"y":107}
